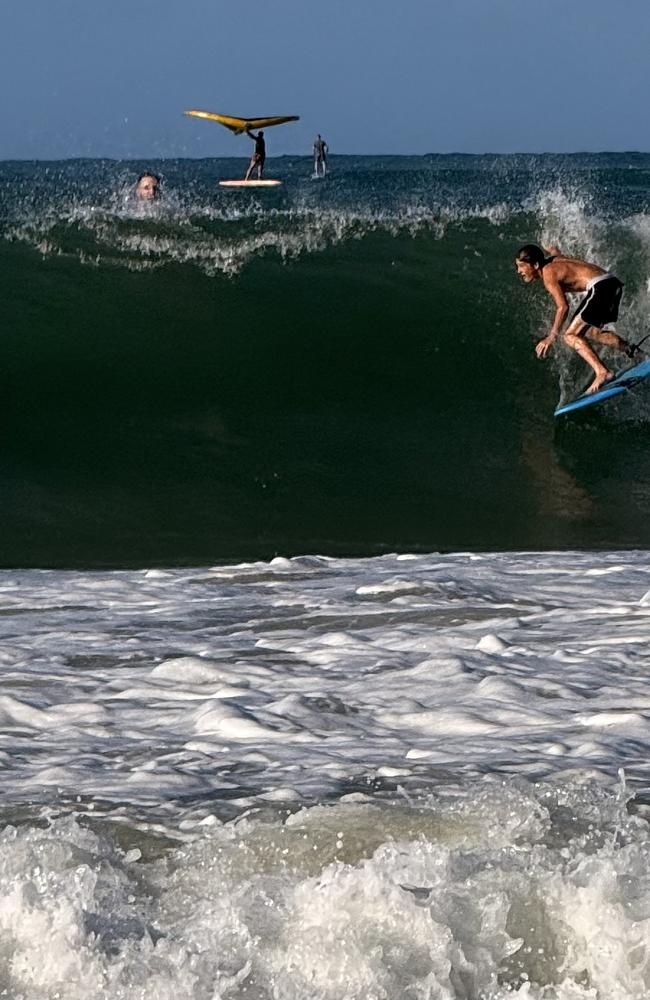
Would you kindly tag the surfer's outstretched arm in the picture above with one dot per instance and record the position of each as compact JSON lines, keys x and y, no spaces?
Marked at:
{"x":561,"y":312}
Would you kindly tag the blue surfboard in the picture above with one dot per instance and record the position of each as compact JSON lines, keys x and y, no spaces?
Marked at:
{"x":626,"y":380}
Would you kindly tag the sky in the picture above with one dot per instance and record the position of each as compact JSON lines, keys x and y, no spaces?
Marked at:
{"x":111,"y":78}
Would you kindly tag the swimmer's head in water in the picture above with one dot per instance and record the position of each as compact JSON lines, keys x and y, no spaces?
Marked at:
{"x":529,"y":261}
{"x":148,"y":187}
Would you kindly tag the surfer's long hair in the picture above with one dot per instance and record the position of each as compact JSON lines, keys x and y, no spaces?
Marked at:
{"x":531,"y":253}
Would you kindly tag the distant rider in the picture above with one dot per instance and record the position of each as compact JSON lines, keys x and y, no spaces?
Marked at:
{"x":320,"y":156}
{"x":259,"y":154}
{"x":599,"y":307}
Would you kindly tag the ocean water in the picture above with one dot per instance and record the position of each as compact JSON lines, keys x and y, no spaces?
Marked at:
{"x":323,"y":647}
{"x":339,"y":367}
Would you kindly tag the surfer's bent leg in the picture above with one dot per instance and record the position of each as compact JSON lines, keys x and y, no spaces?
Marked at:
{"x":574,"y":337}
{"x":599,"y":308}
{"x":610,"y":339}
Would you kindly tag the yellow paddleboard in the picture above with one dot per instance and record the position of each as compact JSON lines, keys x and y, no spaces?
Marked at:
{"x":239,"y":125}
{"x":247,"y":184}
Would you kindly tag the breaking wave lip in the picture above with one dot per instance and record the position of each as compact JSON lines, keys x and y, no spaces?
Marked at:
{"x":222,"y":239}
{"x":139,"y":239}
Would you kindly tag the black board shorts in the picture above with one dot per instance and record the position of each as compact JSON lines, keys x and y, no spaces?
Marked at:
{"x":600,"y":304}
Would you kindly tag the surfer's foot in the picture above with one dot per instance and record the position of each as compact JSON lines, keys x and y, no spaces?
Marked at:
{"x":599,"y":382}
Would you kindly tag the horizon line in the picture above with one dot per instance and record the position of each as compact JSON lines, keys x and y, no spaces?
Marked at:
{"x":308,"y":156}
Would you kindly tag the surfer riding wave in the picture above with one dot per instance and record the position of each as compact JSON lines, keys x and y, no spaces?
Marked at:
{"x":599,"y":307}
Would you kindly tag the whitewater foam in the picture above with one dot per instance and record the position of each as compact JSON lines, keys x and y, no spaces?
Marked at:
{"x":387,"y":777}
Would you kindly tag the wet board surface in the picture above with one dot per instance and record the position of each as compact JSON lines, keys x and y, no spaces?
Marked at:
{"x":621,"y":383}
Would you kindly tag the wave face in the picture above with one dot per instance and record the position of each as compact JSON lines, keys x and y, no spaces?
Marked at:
{"x":337,"y":366}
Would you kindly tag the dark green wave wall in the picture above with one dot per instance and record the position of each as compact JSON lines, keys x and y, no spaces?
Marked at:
{"x":337,"y":376}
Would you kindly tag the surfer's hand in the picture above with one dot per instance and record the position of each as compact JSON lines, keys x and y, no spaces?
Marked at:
{"x":543,"y":347}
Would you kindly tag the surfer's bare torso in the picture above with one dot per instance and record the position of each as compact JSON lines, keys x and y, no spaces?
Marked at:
{"x":568,"y":273}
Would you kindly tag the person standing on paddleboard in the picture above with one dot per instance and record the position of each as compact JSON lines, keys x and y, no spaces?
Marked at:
{"x":259,"y":154}
{"x":598,"y":308}
{"x":320,"y":156}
